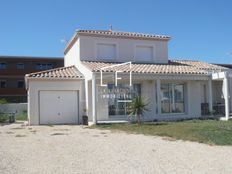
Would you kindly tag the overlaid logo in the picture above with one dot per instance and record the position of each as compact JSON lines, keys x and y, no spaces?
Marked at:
{"x":120,"y":87}
{"x":112,"y":67}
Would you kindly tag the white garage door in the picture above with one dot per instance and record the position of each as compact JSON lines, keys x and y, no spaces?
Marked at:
{"x":58,"y":107}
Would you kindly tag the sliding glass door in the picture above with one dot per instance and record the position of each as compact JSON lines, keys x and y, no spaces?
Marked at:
{"x":172,"y":98}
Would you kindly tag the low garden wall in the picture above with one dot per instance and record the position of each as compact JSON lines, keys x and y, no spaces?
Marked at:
{"x":13,"y":108}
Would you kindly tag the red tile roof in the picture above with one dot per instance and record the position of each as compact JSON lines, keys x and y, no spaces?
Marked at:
{"x":200,"y":65}
{"x":173,"y":67}
{"x":69,"y":72}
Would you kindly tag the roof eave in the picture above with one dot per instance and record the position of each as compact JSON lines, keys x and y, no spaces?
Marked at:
{"x":123,"y":36}
{"x":171,"y":74}
{"x":54,"y":78}
{"x":77,"y":34}
{"x":71,"y":43}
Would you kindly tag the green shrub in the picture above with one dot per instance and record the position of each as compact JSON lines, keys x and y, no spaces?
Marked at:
{"x":22,"y":115}
{"x":3,"y":118}
{"x":3,"y":101}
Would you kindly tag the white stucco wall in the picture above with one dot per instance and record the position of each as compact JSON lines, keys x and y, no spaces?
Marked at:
{"x":194,"y":99}
{"x":73,"y":55}
{"x":230,"y":89}
{"x":36,"y":85}
{"x":125,"y":48}
{"x":17,"y":108}
{"x":148,"y":89}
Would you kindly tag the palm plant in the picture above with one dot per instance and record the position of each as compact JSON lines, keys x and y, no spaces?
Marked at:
{"x":138,"y":107}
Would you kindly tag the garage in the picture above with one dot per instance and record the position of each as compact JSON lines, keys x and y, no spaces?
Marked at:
{"x":55,"y":96}
{"x":58,"y":107}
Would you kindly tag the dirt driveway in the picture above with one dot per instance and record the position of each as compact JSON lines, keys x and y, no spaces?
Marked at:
{"x":74,"y":149}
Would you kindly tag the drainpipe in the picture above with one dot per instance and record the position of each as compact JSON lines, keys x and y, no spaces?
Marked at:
{"x":86,"y":96}
{"x":158,"y":91}
{"x":94,"y":99}
{"x":227,"y":107}
{"x":210,"y":95}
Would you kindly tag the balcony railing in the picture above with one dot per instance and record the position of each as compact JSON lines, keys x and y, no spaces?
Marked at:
{"x":12,"y":91}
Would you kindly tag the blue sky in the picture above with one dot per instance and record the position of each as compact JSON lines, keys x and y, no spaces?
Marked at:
{"x":200,"y":29}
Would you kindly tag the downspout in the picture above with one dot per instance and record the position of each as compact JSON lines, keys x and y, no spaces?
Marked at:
{"x":227,"y":107}
{"x":94,"y":113}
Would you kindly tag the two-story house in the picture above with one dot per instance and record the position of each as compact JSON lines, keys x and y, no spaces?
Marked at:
{"x":104,"y":70}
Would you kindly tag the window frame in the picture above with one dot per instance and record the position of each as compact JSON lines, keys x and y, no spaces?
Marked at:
{"x":106,"y":43}
{"x":1,"y":84}
{"x":173,"y":99}
{"x":23,"y":85}
{"x":18,"y":64}
{"x":3,"y":67}
{"x":136,"y":59}
{"x":42,"y":65}
{"x":116,"y":100}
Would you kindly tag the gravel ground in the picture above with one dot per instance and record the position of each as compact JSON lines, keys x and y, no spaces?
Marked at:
{"x":75,"y":149}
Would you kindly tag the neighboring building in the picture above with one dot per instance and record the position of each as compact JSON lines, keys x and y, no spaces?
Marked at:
{"x":226,"y":65}
{"x":177,"y":89}
{"x":13,"y":70}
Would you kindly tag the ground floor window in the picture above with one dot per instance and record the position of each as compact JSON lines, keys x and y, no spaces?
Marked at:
{"x":172,"y":98}
{"x":20,"y":84}
{"x":2,"y":84}
{"x":120,"y":97}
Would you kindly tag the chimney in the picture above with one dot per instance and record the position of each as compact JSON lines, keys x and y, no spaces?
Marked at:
{"x":111,"y":28}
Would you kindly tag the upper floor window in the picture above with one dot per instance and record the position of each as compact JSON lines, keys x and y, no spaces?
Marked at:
{"x":20,"y":65}
{"x":20,"y":84}
{"x":2,"y":65}
{"x":144,"y":53}
{"x":44,"y":66}
{"x":106,"y":51}
{"x":2,"y":84}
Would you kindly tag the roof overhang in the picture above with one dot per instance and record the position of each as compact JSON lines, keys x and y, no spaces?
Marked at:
{"x":221,"y":75}
{"x":138,"y":36}
{"x":27,"y":79}
{"x":152,"y":76}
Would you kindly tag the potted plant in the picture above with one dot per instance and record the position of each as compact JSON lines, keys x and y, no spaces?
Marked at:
{"x":84,"y":117}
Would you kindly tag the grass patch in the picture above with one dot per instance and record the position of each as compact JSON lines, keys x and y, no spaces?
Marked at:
{"x":21,"y":116}
{"x":203,"y":131}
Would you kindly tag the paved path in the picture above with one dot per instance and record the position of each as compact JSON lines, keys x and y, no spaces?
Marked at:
{"x":74,"y":149}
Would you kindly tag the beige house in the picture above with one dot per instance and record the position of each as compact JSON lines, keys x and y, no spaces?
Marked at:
{"x":104,"y":70}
